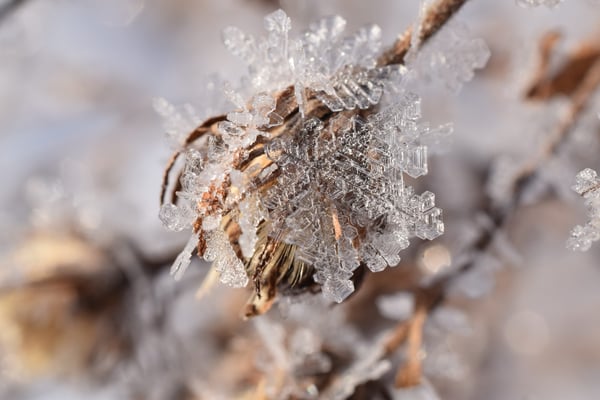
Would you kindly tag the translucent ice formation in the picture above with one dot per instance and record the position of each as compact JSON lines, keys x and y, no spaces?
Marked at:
{"x":305,"y":177}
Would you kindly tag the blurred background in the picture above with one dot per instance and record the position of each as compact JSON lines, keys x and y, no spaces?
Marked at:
{"x":87,"y":307}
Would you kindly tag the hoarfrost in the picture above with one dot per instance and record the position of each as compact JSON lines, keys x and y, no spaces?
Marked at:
{"x":341,"y":69}
{"x":332,"y":187}
{"x":226,"y":262}
{"x":184,"y":259}
{"x":177,"y":123}
{"x":450,"y":58}
{"x":332,"y":184}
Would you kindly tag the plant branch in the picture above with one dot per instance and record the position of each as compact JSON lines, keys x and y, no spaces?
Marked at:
{"x":428,"y":298}
{"x":436,"y":292}
{"x":433,"y":295}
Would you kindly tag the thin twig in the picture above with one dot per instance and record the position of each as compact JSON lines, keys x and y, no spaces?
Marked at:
{"x":410,"y":373}
{"x":564,"y":81}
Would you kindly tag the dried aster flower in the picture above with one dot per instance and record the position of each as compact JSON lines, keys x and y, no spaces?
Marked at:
{"x":303,"y":183}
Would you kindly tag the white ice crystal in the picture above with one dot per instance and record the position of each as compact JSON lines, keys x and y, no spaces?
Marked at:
{"x":184,"y":258}
{"x":244,"y":125}
{"x":587,"y":185}
{"x":349,"y":180}
{"x":251,"y":213}
{"x":332,"y":186}
{"x":341,"y":69}
{"x":226,"y":262}
{"x":450,"y":57}
{"x":369,"y":365}
{"x":177,"y":123}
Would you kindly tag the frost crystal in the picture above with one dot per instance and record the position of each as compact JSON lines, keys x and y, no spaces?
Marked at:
{"x":328,"y":189}
{"x":337,"y":180}
{"x":183,"y":260}
{"x":341,"y":69}
{"x":587,"y":185}
{"x":451,"y":57}
{"x":177,"y":123}
{"x":243,"y":126}
{"x":226,"y":262}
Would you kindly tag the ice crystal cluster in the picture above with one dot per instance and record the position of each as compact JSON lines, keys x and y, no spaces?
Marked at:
{"x":468,"y":53}
{"x":587,"y":185}
{"x":348,"y":180}
{"x":340,"y":69}
{"x":333,"y":185}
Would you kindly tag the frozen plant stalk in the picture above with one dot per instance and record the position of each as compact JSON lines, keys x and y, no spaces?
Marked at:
{"x":303,"y":181}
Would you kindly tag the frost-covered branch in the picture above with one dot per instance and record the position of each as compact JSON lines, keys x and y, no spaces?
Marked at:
{"x":499,"y":217}
{"x":431,"y":296}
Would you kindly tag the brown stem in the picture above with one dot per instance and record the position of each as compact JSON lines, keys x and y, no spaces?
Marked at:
{"x":579,"y":102}
{"x":397,"y":337}
{"x":428,"y":298}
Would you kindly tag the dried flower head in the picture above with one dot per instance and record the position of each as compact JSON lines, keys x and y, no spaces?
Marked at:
{"x":303,"y":184}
